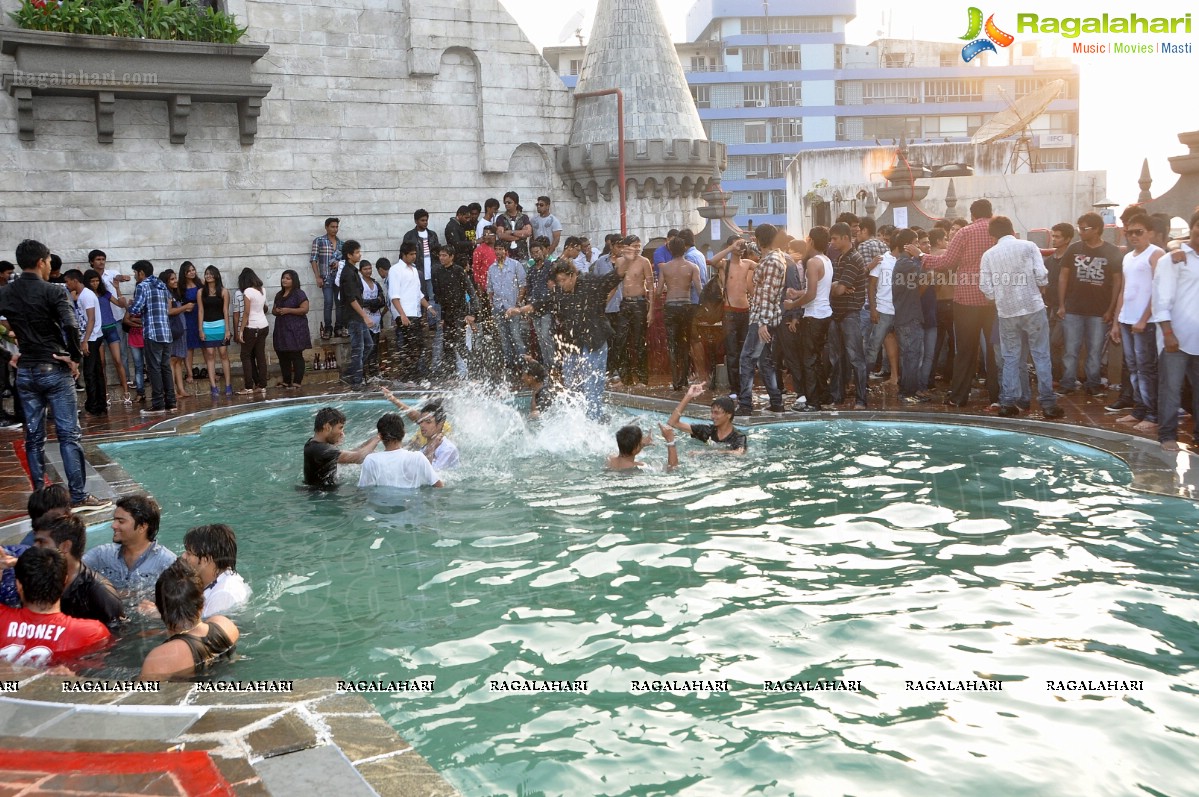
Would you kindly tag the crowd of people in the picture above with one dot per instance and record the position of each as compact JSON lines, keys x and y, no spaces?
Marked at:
{"x":61,"y":601}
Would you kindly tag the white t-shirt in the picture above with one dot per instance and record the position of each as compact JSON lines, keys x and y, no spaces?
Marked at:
{"x":255,"y":309}
{"x":230,"y":591}
{"x":446,"y":456}
{"x":482,"y":225}
{"x":397,"y":468}
{"x":88,"y":300}
{"x":884,"y":299}
{"x":118,"y":312}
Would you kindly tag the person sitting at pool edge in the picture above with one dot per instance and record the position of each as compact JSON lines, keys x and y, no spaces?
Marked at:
{"x":393,"y":466}
{"x":134,"y":559}
{"x":631,"y":441}
{"x":88,"y":595}
{"x":39,"y":634}
{"x":195,"y":644}
{"x":212,"y":552}
{"x":321,"y":454}
{"x":720,"y":431}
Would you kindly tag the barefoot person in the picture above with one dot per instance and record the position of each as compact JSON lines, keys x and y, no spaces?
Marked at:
{"x":680,"y":278}
{"x":636,"y":312}
{"x":720,"y":431}
{"x":321,"y":454}
{"x":195,"y":644}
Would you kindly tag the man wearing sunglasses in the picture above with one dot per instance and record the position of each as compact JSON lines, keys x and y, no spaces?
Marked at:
{"x":1089,"y":287}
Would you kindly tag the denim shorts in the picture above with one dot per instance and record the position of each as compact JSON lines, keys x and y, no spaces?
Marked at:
{"x":111,"y":333}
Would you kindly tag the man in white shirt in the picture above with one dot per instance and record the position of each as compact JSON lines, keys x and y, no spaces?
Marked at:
{"x":439,"y":450}
{"x":1131,"y":325}
{"x":394,"y":466}
{"x":407,"y":300}
{"x":1176,"y":312}
{"x":1009,"y":275}
{"x":212,"y":552}
{"x":87,"y":309}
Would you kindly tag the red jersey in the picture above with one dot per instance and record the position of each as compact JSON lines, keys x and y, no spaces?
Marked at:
{"x":30,"y":639}
{"x":483,"y":259}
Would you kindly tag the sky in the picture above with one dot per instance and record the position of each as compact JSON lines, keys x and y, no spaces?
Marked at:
{"x":1132,"y":106}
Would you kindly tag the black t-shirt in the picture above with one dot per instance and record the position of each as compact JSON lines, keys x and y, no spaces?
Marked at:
{"x":320,"y":464}
{"x":905,"y":291}
{"x":1053,"y":264}
{"x":1091,"y":277}
{"x":91,"y":597}
{"x":707,"y":433}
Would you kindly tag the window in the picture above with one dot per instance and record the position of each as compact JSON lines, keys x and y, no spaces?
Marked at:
{"x":785,"y":57}
{"x":757,"y":166}
{"x":839,"y":56}
{"x":760,"y":25}
{"x":753,"y":59}
{"x":787,"y":130}
{"x":758,"y":202}
{"x":778,"y":201}
{"x":891,"y":127}
{"x":702,"y":96}
{"x":840,"y":93}
{"x":1055,"y":159}
{"x":755,"y":132}
{"x":753,"y":25}
{"x":946,"y":127}
{"x":778,"y":165}
{"x":842,"y":135}
{"x":953,"y":90}
{"x":890,"y":91}
{"x":1027,"y":85}
{"x":786,"y":94}
{"x":699,"y":63}
{"x":576,"y":64}
{"x":753,"y":95}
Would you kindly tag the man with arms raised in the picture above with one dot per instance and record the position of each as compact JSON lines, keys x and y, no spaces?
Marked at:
{"x":631,"y":440}
{"x":720,"y":431}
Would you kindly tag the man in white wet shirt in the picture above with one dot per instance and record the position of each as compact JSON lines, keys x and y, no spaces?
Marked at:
{"x":394,"y":466}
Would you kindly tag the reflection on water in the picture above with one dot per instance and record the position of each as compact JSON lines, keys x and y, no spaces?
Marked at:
{"x":878,"y":553}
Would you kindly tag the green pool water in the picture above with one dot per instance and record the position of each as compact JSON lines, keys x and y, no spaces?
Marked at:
{"x":873,"y":552}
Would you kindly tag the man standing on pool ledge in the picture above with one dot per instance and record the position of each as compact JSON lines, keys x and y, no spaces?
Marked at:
{"x":720,"y":431}
{"x":321,"y":454}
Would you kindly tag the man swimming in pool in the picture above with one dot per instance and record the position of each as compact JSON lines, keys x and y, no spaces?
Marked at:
{"x":720,"y":431}
{"x":631,"y":440}
{"x":321,"y":454}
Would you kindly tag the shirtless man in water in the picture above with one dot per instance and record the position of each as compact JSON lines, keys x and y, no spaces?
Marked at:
{"x":738,"y":286}
{"x":679,"y":277}
{"x":631,"y":440}
{"x":636,"y":312}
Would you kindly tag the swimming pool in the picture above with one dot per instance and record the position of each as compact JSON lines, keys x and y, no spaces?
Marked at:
{"x":877,"y":553}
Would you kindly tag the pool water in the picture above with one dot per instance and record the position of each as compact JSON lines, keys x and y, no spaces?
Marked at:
{"x":871,"y":552}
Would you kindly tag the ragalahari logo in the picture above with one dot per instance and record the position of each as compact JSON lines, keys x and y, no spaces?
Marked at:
{"x":994,"y":36}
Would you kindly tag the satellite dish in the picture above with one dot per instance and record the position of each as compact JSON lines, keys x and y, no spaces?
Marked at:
{"x":573,"y":27}
{"x":1016,"y":118}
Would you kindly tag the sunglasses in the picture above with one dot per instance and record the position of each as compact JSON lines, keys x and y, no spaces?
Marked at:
{"x":1135,"y":232}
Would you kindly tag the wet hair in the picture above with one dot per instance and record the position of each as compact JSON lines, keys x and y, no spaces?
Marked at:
{"x":216,"y":542}
{"x":179,"y":595}
{"x":408,"y":247}
{"x":332,"y":220}
{"x":1065,"y":228}
{"x":295,"y":283}
{"x":819,"y":237}
{"x":42,"y":573}
{"x":350,"y":247}
{"x":999,"y":226}
{"x":1091,"y":220}
{"x":764,"y":234}
{"x":535,"y":370}
{"x":866,"y":223}
{"x":67,"y":528}
{"x":217,"y":283}
{"x":841,"y":229}
{"x":248,"y":279}
{"x":447,"y":249}
{"x":44,"y":499}
{"x":417,"y":215}
{"x":629,"y":240}
{"x":328,"y":416}
{"x":391,"y":428}
{"x":30,"y":253}
{"x":628,"y":438}
{"x":981,"y":209}
{"x":144,"y":267}
{"x":676,"y":247}
{"x":563,"y":267}
{"x":724,"y":403}
{"x":434,"y":408}
{"x":92,"y":255}
{"x":74,"y":275}
{"x":145,"y":511}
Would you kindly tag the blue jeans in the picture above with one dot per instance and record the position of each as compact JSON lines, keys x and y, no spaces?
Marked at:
{"x":362,"y":346}
{"x":162,"y":381}
{"x":1140,"y":358}
{"x":330,"y":303}
{"x":886,"y":322}
{"x":930,"y":354}
{"x":43,"y":386}
{"x":585,"y":372}
{"x":543,"y":325}
{"x":1018,"y":338}
{"x":1080,"y":329}
{"x":911,"y":356}
{"x":757,"y":356}
{"x":138,"y":372}
{"x":512,"y":333}
{"x":847,"y":353}
{"x":1172,"y":368}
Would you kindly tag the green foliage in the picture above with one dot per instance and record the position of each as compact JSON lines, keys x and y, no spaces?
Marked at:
{"x":178,"y":20}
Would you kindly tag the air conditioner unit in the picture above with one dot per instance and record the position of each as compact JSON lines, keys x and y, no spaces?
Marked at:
{"x":755,"y":103}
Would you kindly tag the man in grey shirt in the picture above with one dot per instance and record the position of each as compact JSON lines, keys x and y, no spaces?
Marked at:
{"x":546,"y":224}
{"x":133,"y":560}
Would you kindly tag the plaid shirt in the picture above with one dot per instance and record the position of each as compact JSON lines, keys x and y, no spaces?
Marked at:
{"x":324,"y":253}
{"x":766,"y":306}
{"x":964,"y":254}
{"x":152,"y":299}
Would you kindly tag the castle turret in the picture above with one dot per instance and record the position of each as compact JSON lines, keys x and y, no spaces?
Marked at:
{"x":668,"y":159}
